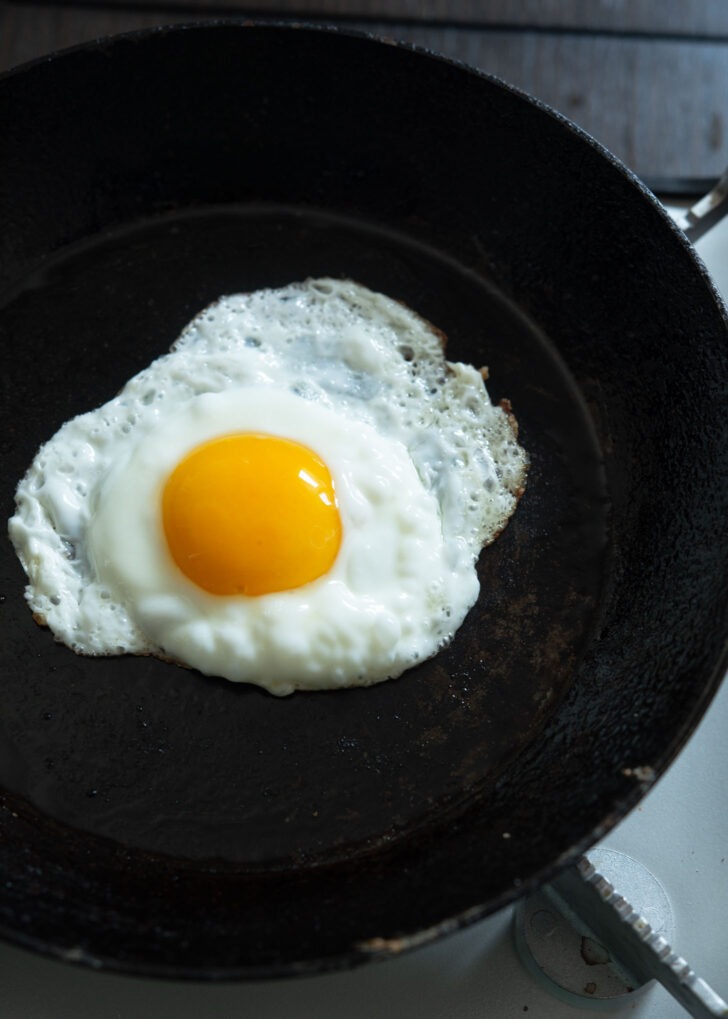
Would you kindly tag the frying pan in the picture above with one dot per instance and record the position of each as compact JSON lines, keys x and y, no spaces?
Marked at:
{"x":157,"y":821}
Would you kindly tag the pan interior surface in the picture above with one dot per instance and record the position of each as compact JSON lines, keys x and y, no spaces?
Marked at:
{"x":157,"y":821}
{"x":168,"y":761}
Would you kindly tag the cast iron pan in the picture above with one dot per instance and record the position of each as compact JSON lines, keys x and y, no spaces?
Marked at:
{"x":157,"y":821}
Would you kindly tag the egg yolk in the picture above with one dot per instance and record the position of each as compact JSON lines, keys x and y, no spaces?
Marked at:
{"x":251,"y":514}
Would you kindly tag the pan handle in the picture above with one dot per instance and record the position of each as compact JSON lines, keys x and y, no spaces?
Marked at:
{"x":706,"y":212}
{"x":641,"y":953}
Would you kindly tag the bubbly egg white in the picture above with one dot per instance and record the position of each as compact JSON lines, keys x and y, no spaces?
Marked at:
{"x":426,"y":471}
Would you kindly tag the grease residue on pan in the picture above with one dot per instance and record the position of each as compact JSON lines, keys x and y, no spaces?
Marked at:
{"x":161,"y":759}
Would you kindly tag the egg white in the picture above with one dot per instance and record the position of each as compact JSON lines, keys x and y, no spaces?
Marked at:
{"x":427,"y":471}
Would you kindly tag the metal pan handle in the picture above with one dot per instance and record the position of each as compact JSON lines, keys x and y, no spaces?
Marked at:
{"x":703,"y":221}
{"x":641,"y":953}
{"x":708,"y":211}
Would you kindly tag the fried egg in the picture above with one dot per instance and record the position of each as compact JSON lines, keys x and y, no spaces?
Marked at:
{"x":295,"y":496}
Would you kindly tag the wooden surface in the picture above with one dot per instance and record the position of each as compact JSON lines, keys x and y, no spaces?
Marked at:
{"x":649,"y":79}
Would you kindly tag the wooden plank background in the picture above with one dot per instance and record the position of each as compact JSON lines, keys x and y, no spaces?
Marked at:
{"x":648,"y":79}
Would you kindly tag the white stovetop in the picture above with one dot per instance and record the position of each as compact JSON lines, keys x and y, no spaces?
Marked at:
{"x":679,"y":831}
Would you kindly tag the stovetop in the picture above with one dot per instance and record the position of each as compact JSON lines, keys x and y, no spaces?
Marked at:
{"x":679,"y":831}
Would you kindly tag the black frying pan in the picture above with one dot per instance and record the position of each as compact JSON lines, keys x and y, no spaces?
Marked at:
{"x":157,"y":821}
